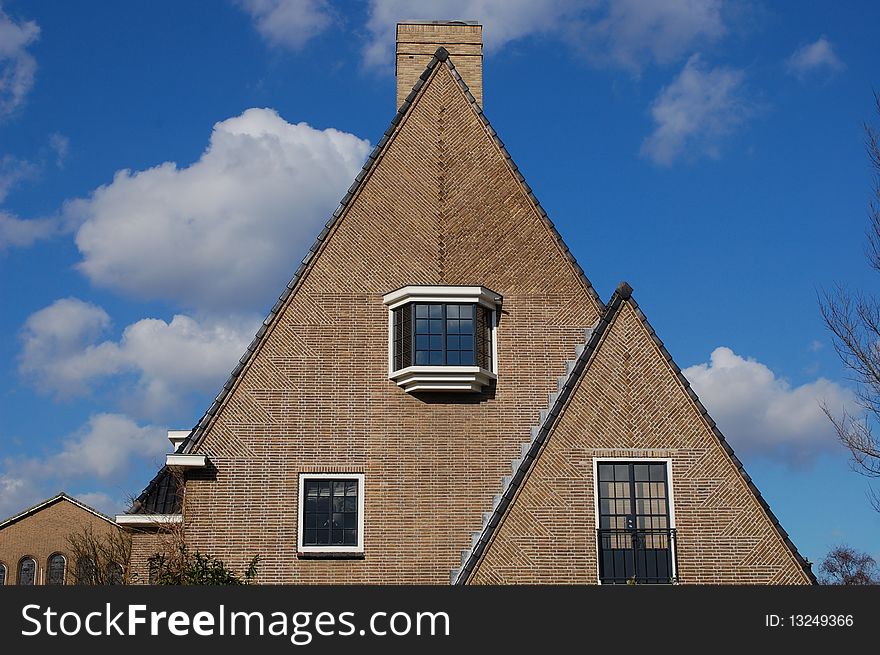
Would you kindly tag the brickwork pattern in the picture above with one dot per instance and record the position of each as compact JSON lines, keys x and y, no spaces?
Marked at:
{"x":442,"y":206}
{"x":43,"y":534}
{"x":416,"y":44}
{"x":629,"y":403}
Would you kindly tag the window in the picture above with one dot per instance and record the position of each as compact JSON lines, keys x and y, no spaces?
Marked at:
{"x":2,"y":574}
{"x":27,"y":571}
{"x":636,"y":536}
{"x":331,"y":513}
{"x":56,"y":568}
{"x":442,"y":338}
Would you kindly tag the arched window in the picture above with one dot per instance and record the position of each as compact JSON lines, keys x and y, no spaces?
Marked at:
{"x":2,"y":574}
{"x":27,"y":571}
{"x":85,"y":571}
{"x":114,"y":573}
{"x":56,"y":569}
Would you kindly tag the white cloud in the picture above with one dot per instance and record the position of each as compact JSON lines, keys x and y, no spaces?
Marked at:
{"x":17,"y":66}
{"x":104,"y":450}
{"x":618,"y":33}
{"x":696,"y":111}
{"x":761,"y":413}
{"x":13,"y":171}
{"x":633,"y":32}
{"x":153,"y":367}
{"x":18,"y":232}
{"x":816,"y":57}
{"x":225,"y":232}
{"x":288,"y":23}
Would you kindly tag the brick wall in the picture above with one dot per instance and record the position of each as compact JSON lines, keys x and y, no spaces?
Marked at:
{"x":417,"y":43}
{"x":44,"y":534}
{"x":441,"y":207}
{"x":629,"y":403}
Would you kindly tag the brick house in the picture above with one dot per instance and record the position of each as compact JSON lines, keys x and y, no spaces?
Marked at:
{"x":440,"y":395}
{"x":34,"y":549}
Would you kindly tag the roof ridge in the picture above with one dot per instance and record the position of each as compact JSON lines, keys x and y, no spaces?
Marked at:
{"x":621,"y":294}
{"x":443,"y":55}
{"x":440,"y":55}
{"x":61,"y":495}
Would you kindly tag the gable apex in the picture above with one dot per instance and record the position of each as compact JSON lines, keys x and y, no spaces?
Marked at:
{"x":622,"y":298}
{"x":441,"y":58}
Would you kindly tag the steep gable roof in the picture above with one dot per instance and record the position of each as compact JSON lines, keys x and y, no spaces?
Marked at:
{"x":441,"y":58}
{"x":51,"y":501}
{"x":504,"y":504}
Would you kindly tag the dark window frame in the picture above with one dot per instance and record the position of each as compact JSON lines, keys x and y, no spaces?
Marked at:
{"x":21,"y":563}
{"x":50,"y":574}
{"x":425,"y":327}
{"x":344,"y":525}
{"x":636,"y":536}
{"x":5,"y":576}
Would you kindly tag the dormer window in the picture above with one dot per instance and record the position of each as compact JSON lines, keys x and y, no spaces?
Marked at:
{"x":442,"y":338}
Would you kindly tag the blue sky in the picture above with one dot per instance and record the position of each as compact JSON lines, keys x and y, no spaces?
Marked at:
{"x":710,"y":153}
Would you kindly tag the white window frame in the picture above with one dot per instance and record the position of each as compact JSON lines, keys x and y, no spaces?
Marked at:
{"x":301,"y":502}
{"x":443,"y":378}
{"x":669,"y":490}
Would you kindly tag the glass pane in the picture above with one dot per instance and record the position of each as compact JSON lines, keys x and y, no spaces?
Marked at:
{"x":421,"y":311}
{"x":452,"y":327}
{"x":422,"y":342}
{"x":311,"y":488}
{"x":452,"y":342}
{"x":338,"y":488}
{"x":323,"y":537}
{"x":436,"y":311}
{"x":658,"y":472}
{"x":55,"y":574}
{"x":640,"y":472}
{"x":422,"y":358}
{"x":26,"y":572}
{"x":466,"y":326}
{"x":467,"y":342}
{"x":436,"y":326}
{"x":467,"y":358}
{"x":422,"y":326}
{"x":351,"y":487}
{"x":323,"y":505}
{"x":350,"y":538}
{"x":452,"y":311}
{"x":606,"y":472}
{"x":324,"y":488}
{"x":436,"y":358}
{"x":338,"y":503}
{"x":350,"y":520}
{"x":621,"y":472}
{"x":310,"y":538}
{"x":453,"y":358}
{"x":337,"y":520}
{"x":436,"y":342}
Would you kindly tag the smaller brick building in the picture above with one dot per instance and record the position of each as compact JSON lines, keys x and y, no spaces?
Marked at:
{"x":33,"y":544}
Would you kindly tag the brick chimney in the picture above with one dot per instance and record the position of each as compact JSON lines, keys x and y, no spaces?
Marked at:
{"x":417,"y":40}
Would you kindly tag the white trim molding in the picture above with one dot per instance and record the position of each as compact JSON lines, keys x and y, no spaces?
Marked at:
{"x":413,"y":293}
{"x":415,"y":379}
{"x":186,"y":461}
{"x":148,"y":520}
{"x":177,"y":437}
{"x":358,"y":548}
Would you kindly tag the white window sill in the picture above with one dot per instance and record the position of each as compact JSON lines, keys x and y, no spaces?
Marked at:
{"x":414,"y":379}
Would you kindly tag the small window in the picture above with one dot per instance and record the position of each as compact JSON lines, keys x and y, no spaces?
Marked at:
{"x":442,"y":338}
{"x":27,"y":571}
{"x":56,"y":569}
{"x":331,"y":513}
{"x":2,"y":574}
